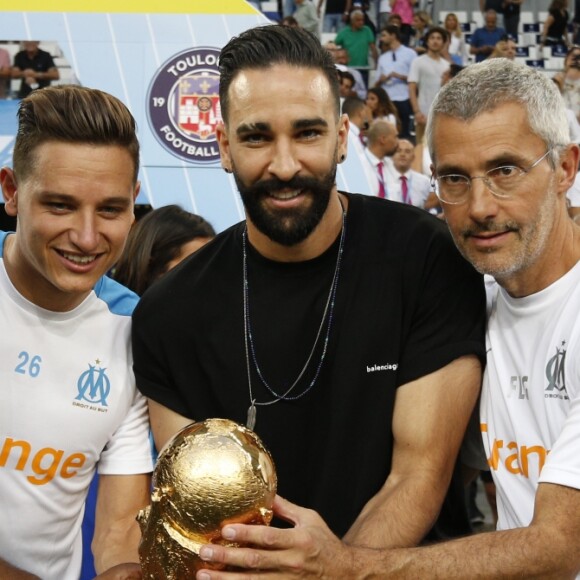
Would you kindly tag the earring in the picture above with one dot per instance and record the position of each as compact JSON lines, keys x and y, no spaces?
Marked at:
{"x":342,"y":158}
{"x":227,"y":170}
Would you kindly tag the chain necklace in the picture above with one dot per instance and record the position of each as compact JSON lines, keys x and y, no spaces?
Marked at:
{"x":327,"y":317}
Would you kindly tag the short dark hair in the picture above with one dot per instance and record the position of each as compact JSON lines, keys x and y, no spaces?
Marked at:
{"x":352,"y":105}
{"x":154,"y":241}
{"x":444,"y":34}
{"x":344,"y":74}
{"x":265,"y":46}
{"x":72,"y":114}
{"x":393,"y":30}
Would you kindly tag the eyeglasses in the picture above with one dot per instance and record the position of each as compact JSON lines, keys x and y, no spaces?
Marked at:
{"x":503,"y":182}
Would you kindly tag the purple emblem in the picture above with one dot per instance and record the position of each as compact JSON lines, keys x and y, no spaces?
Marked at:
{"x":183,"y":106}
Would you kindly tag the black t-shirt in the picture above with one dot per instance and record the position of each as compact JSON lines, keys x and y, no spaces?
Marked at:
{"x":496,"y":5}
{"x":559,"y":26}
{"x":335,"y":6}
{"x":407,"y":304}
{"x":41,"y":62}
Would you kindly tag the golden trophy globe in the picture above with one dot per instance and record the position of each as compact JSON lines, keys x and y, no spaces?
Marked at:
{"x":211,"y":473}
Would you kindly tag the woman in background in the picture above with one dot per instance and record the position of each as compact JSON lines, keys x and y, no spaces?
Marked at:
{"x":157,"y":243}
{"x":457,"y":50}
{"x":382,"y":107}
{"x":555,"y":30}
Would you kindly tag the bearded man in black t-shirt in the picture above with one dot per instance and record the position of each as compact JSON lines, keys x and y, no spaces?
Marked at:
{"x":346,"y":330}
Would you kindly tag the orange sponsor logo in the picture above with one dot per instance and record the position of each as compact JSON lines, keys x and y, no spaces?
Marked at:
{"x":44,"y":464}
{"x":517,"y":459}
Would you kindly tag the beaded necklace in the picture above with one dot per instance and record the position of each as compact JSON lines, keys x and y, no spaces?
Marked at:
{"x":327,"y":317}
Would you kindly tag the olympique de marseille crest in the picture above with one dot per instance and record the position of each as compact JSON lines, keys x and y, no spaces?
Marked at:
{"x":183,"y":105}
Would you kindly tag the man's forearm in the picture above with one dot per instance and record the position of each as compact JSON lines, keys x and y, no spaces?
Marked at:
{"x":518,"y":553}
{"x":400,"y":515}
{"x":117,"y":546}
{"x":12,"y":573}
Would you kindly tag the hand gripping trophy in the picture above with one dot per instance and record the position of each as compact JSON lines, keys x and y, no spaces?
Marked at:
{"x":210,"y":474}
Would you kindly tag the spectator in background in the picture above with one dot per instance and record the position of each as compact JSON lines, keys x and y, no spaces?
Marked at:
{"x":336,"y":13}
{"x":404,"y":9}
{"x":555,"y":29}
{"x":457,"y":48}
{"x":495,"y":5}
{"x":421,"y":23}
{"x":346,"y":87}
{"x":576,"y":22}
{"x":406,"y":185}
{"x":305,"y":15}
{"x":35,"y":67}
{"x":425,"y":77}
{"x":511,"y":17}
{"x":358,"y":40}
{"x":360,"y":117}
{"x":157,"y":243}
{"x":452,"y":71}
{"x":288,"y":7}
{"x":484,"y":39}
{"x":392,"y":71}
{"x":340,"y":57}
{"x":569,"y":80}
{"x":5,"y":73}
{"x":500,"y":50}
{"x":384,"y":12}
{"x":382,"y":142}
{"x":289,"y":21}
{"x":381,"y":107}
{"x":512,"y":48}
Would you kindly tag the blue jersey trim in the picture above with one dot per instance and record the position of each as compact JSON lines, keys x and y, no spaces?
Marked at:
{"x":119,"y":299}
{"x":3,"y":236}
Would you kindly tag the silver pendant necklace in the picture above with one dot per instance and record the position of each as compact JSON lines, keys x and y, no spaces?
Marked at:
{"x":327,"y":317}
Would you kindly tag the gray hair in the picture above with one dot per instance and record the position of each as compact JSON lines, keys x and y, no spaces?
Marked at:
{"x":482,"y":87}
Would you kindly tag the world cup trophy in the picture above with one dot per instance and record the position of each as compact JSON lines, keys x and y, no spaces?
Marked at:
{"x":211,"y":473}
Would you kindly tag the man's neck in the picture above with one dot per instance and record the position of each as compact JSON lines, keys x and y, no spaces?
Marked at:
{"x":434,"y":55}
{"x":395,"y":44}
{"x":402,"y":170}
{"x":376,"y":151}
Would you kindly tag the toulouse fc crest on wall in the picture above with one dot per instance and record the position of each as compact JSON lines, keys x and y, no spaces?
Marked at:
{"x":183,"y":105}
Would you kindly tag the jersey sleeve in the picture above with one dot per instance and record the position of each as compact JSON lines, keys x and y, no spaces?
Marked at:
{"x":129,"y":450}
{"x":447,"y":313}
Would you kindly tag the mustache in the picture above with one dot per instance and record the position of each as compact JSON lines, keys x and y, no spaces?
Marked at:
{"x":268,"y":186}
{"x":490,"y":227}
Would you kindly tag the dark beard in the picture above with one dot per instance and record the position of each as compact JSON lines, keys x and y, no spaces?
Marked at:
{"x":289,"y":227}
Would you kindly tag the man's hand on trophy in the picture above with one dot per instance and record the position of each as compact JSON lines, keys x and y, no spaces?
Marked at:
{"x":309,"y":549}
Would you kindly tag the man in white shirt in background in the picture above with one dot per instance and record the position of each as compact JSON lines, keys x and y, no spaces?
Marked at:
{"x":382,"y":142}
{"x":425,"y":77}
{"x":406,"y":185}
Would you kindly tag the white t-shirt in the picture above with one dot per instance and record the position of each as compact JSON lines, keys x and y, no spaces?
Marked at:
{"x":530,"y":403}
{"x":426,"y":72}
{"x":68,"y":399}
